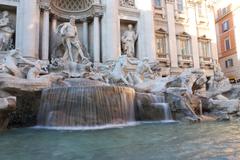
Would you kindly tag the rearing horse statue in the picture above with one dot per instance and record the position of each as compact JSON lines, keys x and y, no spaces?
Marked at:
{"x":118,"y":73}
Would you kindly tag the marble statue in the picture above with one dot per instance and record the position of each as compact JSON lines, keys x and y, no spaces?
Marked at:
{"x":218,"y":74}
{"x":10,"y":66}
{"x":119,"y":74}
{"x":218,"y":83}
{"x":128,"y":41}
{"x":37,"y":70}
{"x":143,"y":67}
{"x":10,"y":63}
{"x":69,"y":34}
{"x":5,"y":31}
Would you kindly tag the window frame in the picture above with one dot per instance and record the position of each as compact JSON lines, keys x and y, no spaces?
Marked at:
{"x":158,"y":5}
{"x":180,"y":39}
{"x":162,"y":35}
{"x":229,"y":63}
{"x":225,"y":45}
{"x":223,"y":26}
{"x":182,"y":4}
{"x":203,"y":41}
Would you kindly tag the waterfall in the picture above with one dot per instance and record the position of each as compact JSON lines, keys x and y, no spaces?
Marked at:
{"x":86,"y":106}
{"x":153,"y":107}
{"x":165,"y":109}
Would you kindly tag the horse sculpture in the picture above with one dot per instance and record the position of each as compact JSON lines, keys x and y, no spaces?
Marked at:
{"x":118,"y":73}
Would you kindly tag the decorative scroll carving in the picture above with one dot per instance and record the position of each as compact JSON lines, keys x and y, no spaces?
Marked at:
{"x":127,"y":3}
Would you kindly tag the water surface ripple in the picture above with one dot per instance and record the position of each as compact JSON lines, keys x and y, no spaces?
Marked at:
{"x":210,"y":141}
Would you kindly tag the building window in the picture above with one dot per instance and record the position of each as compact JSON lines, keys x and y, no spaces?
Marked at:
{"x":205,"y":47}
{"x":229,"y":63}
{"x":180,"y":6}
{"x":161,"y":43}
{"x":184,"y":45}
{"x":227,"y":44}
{"x":201,"y":10}
{"x":225,"y":26}
{"x":158,"y":3}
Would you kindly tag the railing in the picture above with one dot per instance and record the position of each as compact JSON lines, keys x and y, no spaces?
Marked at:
{"x":186,"y":57}
{"x":206,"y":62}
{"x":164,"y":58}
{"x":185,"y":60}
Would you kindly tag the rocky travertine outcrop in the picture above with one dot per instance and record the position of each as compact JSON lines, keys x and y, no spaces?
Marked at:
{"x":7,"y":105}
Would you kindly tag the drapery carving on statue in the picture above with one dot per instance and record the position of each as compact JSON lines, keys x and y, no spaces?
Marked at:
{"x":69,"y":34}
{"x":128,"y":40}
{"x":6,"y":32}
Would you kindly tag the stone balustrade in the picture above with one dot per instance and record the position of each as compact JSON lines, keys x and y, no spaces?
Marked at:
{"x":185,"y":61}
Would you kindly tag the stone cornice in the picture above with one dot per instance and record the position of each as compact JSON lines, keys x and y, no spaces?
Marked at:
{"x":133,"y":12}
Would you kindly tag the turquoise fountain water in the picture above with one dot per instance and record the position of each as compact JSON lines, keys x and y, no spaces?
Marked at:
{"x":207,"y":141}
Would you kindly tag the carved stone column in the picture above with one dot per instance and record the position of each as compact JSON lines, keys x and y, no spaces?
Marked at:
{"x":53,"y":33}
{"x":30,"y":31}
{"x":45,"y":34}
{"x":53,"y":25}
{"x":111,"y":49}
{"x":96,"y":39}
{"x":85,"y":33}
{"x":172,"y":33}
{"x":194,"y":34}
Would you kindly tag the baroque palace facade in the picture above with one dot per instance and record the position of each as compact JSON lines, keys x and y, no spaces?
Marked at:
{"x":177,"y":33}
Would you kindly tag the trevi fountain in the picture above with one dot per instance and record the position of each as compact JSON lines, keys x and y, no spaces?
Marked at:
{"x":69,"y":105}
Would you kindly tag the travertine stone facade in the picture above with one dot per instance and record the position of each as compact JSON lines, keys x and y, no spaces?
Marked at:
{"x":185,"y":34}
{"x":179,"y":34}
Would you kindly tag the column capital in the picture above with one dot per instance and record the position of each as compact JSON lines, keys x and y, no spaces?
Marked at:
{"x":45,"y":8}
{"x":170,"y":1}
{"x":53,"y":16}
{"x":97,"y":14}
{"x":85,"y":19}
{"x":96,"y":1}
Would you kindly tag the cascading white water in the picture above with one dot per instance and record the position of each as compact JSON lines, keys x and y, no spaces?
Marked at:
{"x":166,"y":110}
{"x":154,"y":104}
{"x":86,"y":106}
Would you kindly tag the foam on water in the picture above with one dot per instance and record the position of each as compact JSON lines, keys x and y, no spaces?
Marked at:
{"x":86,"y":128}
{"x":103,"y":127}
